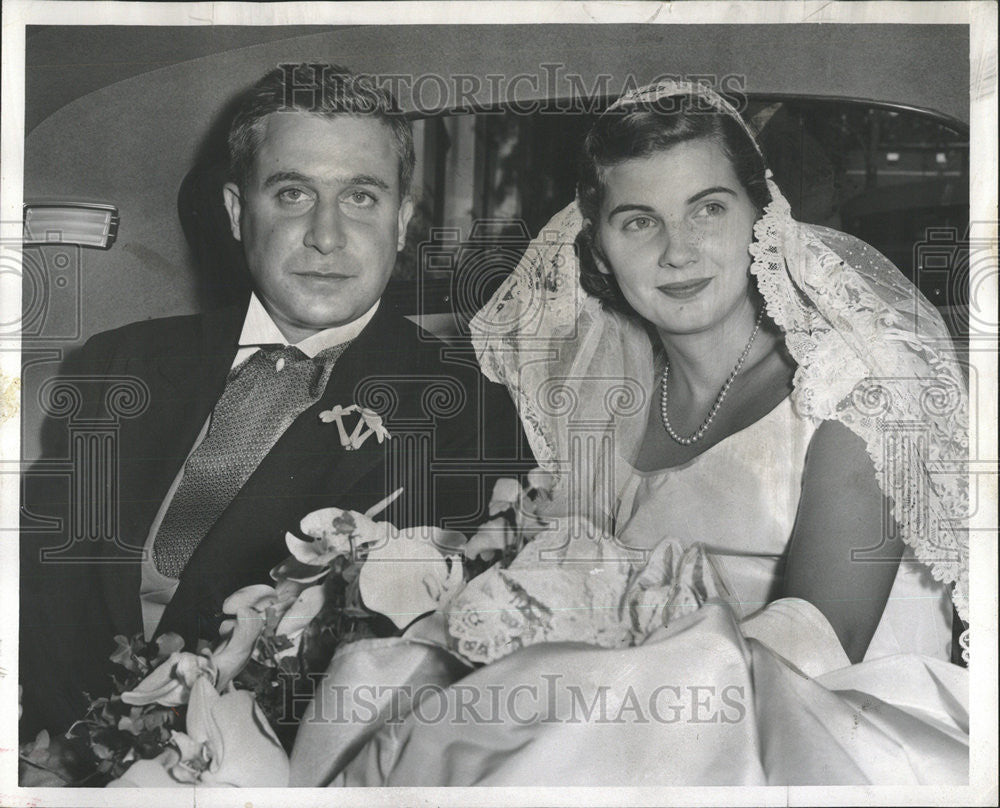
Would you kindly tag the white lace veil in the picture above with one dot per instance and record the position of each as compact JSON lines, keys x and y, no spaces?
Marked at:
{"x":872,"y":353}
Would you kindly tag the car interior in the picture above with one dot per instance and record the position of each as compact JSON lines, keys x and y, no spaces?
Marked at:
{"x":134,"y":119}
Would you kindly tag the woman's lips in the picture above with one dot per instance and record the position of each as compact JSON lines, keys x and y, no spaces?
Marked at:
{"x":684,"y":289}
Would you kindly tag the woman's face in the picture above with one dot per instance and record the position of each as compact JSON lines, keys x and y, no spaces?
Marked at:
{"x":675,"y":228}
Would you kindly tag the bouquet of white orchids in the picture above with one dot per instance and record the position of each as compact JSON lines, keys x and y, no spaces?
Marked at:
{"x":219,"y":714}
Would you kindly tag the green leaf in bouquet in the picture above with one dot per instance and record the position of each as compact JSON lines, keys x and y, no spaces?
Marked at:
{"x":254,"y":676}
{"x":353,"y":605}
{"x":334,"y":590}
{"x":271,"y":619}
{"x":351,"y":571}
{"x":97,"y":704}
{"x":133,"y":654}
{"x":289,"y":664}
{"x":107,"y":715}
{"x":151,"y":743}
{"x":142,"y":720}
{"x":337,"y":567}
{"x":268,"y":646}
{"x":326,"y":630}
{"x":106,"y":737}
{"x":360,"y":630}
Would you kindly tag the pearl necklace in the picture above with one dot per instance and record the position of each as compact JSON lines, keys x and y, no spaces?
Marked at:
{"x":718,"y":400}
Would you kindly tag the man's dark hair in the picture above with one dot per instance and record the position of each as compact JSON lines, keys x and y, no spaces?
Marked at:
{"x":640,"y":130}
{"x":326,"y":90}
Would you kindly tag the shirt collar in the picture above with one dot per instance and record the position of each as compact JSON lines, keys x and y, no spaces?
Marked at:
{"x":259,"y":329}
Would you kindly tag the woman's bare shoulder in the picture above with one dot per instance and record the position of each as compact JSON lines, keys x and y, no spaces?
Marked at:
{"x":840,"y":457}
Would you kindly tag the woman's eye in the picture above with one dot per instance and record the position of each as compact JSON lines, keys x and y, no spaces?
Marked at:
{"x":639,"y":223}
{"x":711,"y":210}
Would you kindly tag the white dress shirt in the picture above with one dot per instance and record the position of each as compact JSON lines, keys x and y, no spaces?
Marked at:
{"x":156,"y":589}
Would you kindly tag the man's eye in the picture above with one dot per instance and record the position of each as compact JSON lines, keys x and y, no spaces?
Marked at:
{"x":639,"y":223}
{"x":361,"y":199}
{"x":291,"y":195}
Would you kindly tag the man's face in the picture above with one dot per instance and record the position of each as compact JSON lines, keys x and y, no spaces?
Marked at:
{"x":321,"y":219}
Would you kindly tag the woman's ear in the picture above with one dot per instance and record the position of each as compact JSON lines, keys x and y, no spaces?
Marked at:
{"x":590,"y":237}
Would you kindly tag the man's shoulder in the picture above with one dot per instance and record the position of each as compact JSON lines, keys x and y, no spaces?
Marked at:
{"x":153,"y":335}
{"x":442,"y":378}
{"x":411,"y":348}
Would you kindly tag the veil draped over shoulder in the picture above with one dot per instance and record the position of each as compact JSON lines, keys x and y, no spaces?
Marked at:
{"x":872,"y":353}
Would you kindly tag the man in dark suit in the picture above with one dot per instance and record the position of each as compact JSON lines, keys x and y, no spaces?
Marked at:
{"x":230,"y":451}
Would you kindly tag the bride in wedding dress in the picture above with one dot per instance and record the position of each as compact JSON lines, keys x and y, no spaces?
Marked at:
{"x":750,"y":559}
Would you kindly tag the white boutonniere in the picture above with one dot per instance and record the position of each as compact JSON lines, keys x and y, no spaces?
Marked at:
{"x":369,"y":423}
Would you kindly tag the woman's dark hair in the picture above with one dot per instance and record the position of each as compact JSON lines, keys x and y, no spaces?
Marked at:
{"x":640,"y":130}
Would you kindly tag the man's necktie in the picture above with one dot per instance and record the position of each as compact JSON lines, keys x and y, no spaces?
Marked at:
{"x":262,"y":397}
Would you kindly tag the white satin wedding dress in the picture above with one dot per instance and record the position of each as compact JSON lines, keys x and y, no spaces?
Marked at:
{"x":727,"y":693}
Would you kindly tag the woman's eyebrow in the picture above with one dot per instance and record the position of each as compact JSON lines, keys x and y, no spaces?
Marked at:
{"x":717,"y":189}
{"x":628,"y":206}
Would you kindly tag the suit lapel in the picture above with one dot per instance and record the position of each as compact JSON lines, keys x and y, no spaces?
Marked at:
{"x":364,"y":357}
{"x":307,"y":469}
{"x":185,"y":379}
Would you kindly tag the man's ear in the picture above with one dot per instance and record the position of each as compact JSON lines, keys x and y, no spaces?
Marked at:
{"x":231,"y":197}
{"x":405,"y":214}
